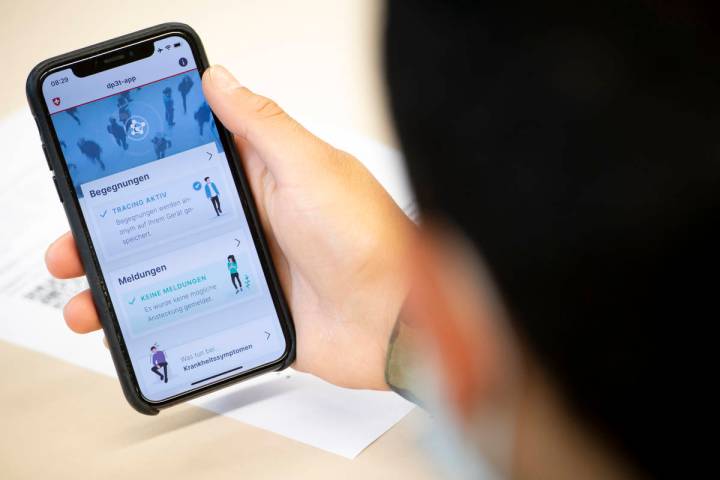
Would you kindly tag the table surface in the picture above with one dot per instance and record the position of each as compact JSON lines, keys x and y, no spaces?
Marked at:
{"x":321,"y":60}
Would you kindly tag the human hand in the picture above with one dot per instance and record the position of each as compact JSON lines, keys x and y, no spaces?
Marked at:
{"x":336,"y":236}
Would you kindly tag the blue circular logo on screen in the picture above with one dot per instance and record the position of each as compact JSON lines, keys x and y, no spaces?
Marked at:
{"x":197,"y":185}
{"x":137,"y":128}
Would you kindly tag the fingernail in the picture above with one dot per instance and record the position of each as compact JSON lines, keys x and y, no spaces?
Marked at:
{"x":223,"y":79}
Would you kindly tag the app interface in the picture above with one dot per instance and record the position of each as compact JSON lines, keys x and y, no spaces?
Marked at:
{"x":165,"y":219}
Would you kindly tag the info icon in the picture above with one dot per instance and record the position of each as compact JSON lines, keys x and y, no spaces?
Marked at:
{"x":182,"y":61}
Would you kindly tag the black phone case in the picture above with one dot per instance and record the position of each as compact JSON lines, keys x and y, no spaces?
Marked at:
{"x":77,"y":226}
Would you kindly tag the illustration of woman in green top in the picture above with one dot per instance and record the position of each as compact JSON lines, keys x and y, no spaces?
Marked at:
{"x":233,"y":269}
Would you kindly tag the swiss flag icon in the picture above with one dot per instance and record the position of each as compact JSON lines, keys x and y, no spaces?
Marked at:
{"x":56,"y":101}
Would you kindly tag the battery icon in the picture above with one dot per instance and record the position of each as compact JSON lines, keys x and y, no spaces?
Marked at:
{"x":176,"y":45}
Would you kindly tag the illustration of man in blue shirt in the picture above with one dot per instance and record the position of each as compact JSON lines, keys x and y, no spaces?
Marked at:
{"x":211,"y":192}
{"x":158,"y":362}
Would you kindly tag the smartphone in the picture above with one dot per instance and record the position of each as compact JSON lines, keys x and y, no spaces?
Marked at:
{"x":162,"y":215}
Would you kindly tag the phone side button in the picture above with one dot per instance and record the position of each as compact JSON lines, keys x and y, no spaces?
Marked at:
{"x":47,"y":156}
{"x":57,"y":189}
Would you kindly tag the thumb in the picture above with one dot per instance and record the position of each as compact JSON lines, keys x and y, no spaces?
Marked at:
{"x":287,"y":148}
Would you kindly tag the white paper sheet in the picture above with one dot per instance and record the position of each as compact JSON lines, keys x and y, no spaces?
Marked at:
{"x":293,"y":404}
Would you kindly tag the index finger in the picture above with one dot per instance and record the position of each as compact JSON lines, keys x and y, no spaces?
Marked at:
{"x":62,"y":258}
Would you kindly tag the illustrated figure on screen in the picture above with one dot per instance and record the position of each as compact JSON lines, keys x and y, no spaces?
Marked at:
{"x":117,"y":131}
{"x":161,"y":144}
{"x":70,"y":164}
{"x":72,"y":111}
{"x":91,"y":150}
{"x":232,"y":267}
{"x":159,"y":361}
{"x":125,"y":96}
{"x":185,"y":85}
{"x":124,"y":109}
{"x":202,"y":116}
{"x":211,"y":192}
{"x":169,"y":106}
{"x":213,"y":130}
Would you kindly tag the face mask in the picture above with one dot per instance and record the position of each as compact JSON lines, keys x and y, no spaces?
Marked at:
{"x":481,"y":446}
{"x":480,"y":450}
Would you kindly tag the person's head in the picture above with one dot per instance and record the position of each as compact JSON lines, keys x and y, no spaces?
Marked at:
{"x":231,"y":258}
{"x":153,"y":349}
{"x":207,"y":179}
{"x":566,"y":162}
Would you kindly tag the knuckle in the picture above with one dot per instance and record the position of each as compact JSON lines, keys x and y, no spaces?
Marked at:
{"x":265,"y":108}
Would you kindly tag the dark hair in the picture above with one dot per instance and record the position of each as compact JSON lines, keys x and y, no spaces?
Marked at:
{"x":153,"y":348}
{"x":231,"y":256}
{"x":206,"y":178}
{"x":575,"y":143}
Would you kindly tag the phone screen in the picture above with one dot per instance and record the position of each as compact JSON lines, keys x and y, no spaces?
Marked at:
{"x":165,"y":220}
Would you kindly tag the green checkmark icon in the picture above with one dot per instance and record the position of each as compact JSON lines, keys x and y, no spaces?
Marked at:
{"x":103,"y":214}
{"x":131,"y":302}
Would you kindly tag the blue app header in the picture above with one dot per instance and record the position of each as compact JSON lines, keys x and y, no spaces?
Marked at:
{"x":134,"y":127}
